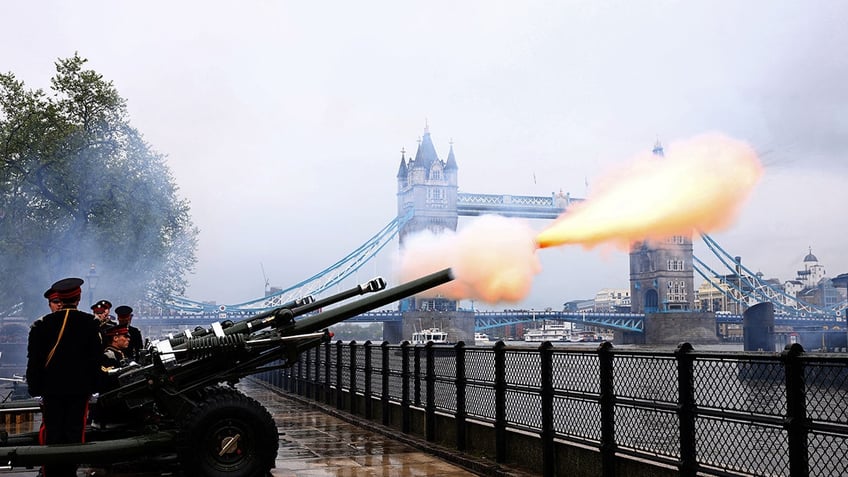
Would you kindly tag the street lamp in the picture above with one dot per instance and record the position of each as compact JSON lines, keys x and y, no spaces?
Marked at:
{"x":92,"y":283}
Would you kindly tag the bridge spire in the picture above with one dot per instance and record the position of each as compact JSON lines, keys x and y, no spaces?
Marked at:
{"x":450,"y":164}
{"x":658,"y":148}
{"x":403,"y":171}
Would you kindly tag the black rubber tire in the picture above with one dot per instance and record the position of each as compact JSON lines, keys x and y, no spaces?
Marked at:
{"x":221,"y":415}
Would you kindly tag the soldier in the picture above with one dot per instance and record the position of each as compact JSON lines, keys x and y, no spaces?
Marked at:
{"x":114,"y":356}
{"x":101,"y":311}
{"x":125,"y":315}
{"x":63,"y":367}
{"x":116,"y":350}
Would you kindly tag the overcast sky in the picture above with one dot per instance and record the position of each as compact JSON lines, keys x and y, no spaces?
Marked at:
{"x":283,"y":121}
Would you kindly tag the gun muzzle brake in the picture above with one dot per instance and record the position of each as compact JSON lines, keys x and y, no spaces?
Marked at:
{"x":373,"y":285}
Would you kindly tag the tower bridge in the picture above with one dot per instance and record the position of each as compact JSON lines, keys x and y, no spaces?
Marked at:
{"x":488,"y":320}
{"x":661,"y":275}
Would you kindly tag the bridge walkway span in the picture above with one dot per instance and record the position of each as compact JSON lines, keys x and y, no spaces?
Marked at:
{"x":487,"y":320}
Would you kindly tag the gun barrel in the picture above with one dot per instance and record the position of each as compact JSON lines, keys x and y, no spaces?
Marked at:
{"x":268,"y":318}
{"x":330,"y":317}
{"x":370,"y":286}
{"x":290,"y":305}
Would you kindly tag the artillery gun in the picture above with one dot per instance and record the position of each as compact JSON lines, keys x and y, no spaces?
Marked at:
{"x":180,"y":397}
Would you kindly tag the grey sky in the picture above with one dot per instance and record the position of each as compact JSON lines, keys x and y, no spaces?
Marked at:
{"x":283,"y":121}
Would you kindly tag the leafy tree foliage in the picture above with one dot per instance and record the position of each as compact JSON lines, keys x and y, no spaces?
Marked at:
{"x":79,"y":186}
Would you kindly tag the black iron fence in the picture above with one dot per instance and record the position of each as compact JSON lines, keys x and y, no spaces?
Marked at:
{"x":597,"y":411}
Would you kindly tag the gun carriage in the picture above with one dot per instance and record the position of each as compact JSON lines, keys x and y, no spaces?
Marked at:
{"x":181,"y":397}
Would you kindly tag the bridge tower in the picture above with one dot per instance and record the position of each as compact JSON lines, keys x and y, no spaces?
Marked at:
{"x":661,"y":271}
{"x":427,"y":187}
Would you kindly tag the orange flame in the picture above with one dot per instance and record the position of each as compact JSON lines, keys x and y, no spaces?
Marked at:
{"x":700,"y":185}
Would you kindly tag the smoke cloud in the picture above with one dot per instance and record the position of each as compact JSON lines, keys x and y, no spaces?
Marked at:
{"x":493,"y":259}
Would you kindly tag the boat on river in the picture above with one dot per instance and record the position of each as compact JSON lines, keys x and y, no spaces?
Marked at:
{"x":482,"y":339}
{"x":553,"y":332}
{"x":436,"y":335}
{"x":587,"y":337}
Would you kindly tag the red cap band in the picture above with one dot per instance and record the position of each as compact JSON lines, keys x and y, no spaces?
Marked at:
{"x":66,"y":295}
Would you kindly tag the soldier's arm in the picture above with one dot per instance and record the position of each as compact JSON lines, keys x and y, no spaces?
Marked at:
{"x":35,"y":360}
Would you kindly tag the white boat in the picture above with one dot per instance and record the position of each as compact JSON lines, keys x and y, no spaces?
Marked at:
{"x":436,"y":335}
{"x":549,"y":332}
{"x":482,"y":339}
{"x":586,"y":337}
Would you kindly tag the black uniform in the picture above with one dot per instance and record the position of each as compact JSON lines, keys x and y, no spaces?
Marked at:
{"x":135,"y":343}
{"x":113,"y":358}
{"x":104,"y":327}
{"x":125,"y":314}
{"x":63,"y":367}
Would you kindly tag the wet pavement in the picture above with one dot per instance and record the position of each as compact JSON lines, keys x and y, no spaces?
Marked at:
{"x":315,"y":443}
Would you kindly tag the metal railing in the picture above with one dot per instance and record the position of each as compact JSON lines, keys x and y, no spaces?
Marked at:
{"x":701,"y":413}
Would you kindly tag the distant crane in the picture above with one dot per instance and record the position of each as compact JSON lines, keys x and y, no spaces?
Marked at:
{"x":267,"y":282}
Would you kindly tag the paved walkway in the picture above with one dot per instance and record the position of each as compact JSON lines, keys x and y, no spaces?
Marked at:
{"x":314,"y":443}
{"x":317,"y":444}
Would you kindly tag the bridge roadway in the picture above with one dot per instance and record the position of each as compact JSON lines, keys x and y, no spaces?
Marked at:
{"x":316,"y":442}
{"x":486,"y":320}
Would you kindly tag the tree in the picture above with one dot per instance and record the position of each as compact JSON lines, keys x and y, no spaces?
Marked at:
{"x":80,"y":186}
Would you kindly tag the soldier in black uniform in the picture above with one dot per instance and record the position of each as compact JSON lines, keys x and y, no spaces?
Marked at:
{"x":125,"y":315}
{"x":116,"y":350}
{"x":114,"y":356}
{"x":63,"y":367}
{"x":101,"y":311}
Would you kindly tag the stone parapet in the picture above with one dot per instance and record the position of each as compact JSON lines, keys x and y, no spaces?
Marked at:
{"x":680,"y":327}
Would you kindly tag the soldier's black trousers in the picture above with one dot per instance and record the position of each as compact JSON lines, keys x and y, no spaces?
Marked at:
{"x":63,"y":418}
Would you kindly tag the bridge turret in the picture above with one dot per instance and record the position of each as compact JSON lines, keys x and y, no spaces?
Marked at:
{"x":403,"y":171}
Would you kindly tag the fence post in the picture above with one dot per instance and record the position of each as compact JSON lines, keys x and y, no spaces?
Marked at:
{"x":367,"y":392}
{"x":417,"y":373}
{"x":405,"y":413}
{"x":795,"y":422}
{"x":353,"y":405}
{"x":686,"y":413}
{"x":327,"y":354}
{"x":316,"y":374}
{"x":274,"y":378}
{"x":546,"y":355}
{"x":500,"y":401}
{"x":460,"y":396}
{"x":282,"y":379}
{"x":607,"y":398}
{"x":384,"y":395}
{"x":308,"y":372}
{"x":430,"y":405}
{"x":339,"y":361}
{"x":298,"y":381}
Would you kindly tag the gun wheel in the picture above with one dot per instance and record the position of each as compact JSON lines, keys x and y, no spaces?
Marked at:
{"x":228,"y":435}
